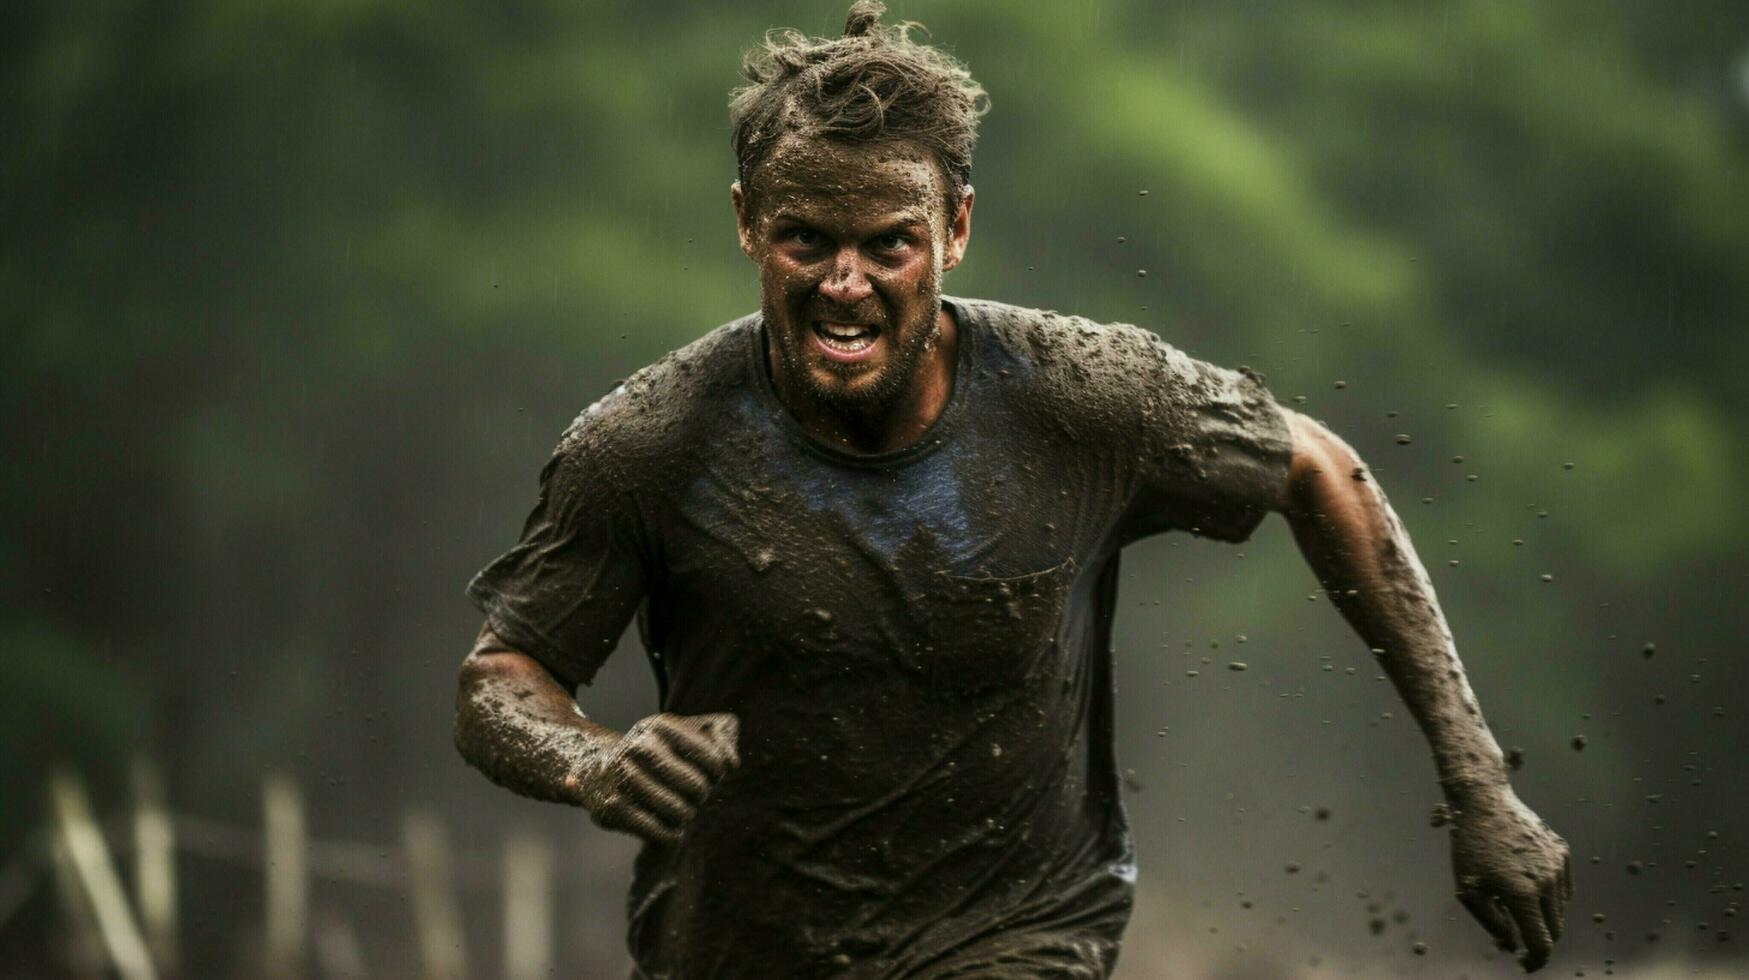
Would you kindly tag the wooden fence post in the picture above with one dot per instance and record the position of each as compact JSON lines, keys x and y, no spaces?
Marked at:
{"x":76,"y":945}
{"x":435,"y":913}
{"x":528,"y":908}
{"x":339,"y":954}
{"x":155,"y":864}
{"x":88,"y":856}
{"x":288,"y":878}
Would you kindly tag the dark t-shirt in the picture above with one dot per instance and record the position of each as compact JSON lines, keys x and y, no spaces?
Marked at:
{"x":917,"y":642}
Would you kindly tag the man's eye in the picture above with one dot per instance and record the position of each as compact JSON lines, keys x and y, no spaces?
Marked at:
{"x":891,"y":243}
{"x":805,"y":237}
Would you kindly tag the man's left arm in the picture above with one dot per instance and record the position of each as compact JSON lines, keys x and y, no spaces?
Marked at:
{"x":1513,"y":870}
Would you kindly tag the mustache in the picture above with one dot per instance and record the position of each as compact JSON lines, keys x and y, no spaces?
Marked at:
{"x":864,"y":313}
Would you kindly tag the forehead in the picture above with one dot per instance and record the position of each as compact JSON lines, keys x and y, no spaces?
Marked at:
{"x":812,"y":175}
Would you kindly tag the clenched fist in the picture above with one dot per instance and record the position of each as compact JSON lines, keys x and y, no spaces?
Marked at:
{"x":652,"y":781}
{"x":1513,"y":873}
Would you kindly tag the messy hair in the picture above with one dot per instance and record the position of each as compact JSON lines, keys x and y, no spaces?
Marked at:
{"x":874,"y":83}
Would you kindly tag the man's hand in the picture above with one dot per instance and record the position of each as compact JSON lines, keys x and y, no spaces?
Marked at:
{"x":653,"y":780}
{"x":1512,"y":870}
{"x":1513,"y":873}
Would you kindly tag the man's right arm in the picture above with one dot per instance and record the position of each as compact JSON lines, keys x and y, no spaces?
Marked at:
{"x":518,"y":724}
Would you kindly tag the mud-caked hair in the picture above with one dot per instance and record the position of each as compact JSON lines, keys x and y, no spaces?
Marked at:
{"x":874,"y":83}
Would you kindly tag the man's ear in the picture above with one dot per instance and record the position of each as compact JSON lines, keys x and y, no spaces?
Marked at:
{"x":742,"y":230}
{"x":959,"y":231}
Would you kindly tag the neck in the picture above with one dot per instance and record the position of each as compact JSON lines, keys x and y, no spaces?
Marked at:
{"x":890,"y":425}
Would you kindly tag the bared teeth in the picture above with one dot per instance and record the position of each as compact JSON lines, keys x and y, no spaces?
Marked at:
{"x":847,"y":337}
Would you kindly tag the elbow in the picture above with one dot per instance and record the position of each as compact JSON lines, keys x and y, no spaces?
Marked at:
{"x":479,"y":675}
{"x":467,"y":689}
{"x":1325,"y":474}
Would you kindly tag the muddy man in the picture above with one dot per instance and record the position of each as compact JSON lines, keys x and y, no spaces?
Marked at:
{"x":870,"y":534}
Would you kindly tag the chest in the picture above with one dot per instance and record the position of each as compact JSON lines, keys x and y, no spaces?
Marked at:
{"x":955,"y":570}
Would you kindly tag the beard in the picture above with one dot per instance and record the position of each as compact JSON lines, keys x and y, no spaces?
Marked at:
{"x":849,"y":388}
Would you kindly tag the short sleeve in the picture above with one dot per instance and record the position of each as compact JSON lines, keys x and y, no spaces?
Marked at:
{"x":1214,"y":449}
{"x":565,"y":593}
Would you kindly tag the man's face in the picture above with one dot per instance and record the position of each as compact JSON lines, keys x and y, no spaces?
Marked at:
{"x":851,"y":243}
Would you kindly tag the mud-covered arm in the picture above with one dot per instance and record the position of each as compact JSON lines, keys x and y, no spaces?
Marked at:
{"x":1512,"y":868}
{"x":556,"y":605}
{"x":519,"y":726}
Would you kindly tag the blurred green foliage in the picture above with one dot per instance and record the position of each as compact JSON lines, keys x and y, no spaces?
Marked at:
{"x":299,"y":294}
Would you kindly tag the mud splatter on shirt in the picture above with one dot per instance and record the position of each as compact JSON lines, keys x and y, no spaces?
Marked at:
{"x":917,"y":642}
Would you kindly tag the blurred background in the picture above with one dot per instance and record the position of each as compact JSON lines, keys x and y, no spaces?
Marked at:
{"x":298,"y":296}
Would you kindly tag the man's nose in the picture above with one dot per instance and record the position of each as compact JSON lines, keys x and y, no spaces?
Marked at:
{"x":847,"y":283}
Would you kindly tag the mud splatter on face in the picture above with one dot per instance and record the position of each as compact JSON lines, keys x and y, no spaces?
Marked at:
{"x":851,"y":243}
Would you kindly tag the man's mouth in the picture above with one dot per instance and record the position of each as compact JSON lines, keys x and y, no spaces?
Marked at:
{"x":845,"y":341}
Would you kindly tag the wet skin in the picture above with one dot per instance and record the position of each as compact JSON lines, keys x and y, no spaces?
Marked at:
{"x":1514,"y":873}
{"x":860,"y":237}
{"x":843,"y":236}
{"x":855,"y":236}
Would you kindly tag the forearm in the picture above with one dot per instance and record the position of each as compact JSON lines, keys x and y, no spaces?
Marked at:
{"x":521,"y":728}
{"x":1363,"y":557}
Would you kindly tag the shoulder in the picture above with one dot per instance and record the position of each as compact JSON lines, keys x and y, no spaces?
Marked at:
{"x":650,"y":415}
{"x":1089,"y":371}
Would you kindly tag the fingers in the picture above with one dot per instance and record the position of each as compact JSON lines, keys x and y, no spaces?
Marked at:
{"x":641,"y":804}
{"x":1552,"y":917}
{"x":656,"y":761}
{"x":1555,"y":894}
{"x":1526,"y":910}
{"x":721,"y":730}
{"x":709,"y":742}
{"x":1488,"y":912}
{"x":667,"y":805}
{"x":665,"y":770}
{"x":623,"y":814}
